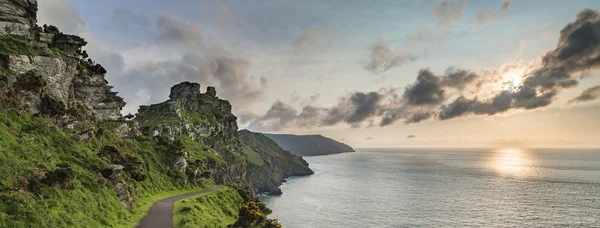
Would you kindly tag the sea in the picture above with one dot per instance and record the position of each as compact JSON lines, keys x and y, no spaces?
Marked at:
{"x":507,"y":187}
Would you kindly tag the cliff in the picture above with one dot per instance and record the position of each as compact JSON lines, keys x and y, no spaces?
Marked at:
{"x":68,"y":158}
{"x":309,"y":145}
{"x":46,"y":72}
{"x":268,"y":164}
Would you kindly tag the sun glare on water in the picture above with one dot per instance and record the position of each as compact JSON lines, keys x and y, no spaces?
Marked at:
{"x":512,"y":162}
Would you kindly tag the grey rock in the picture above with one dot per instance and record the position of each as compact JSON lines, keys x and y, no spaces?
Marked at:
{"x":185,"y":90}
{"x":14,"y":28}
{"x":211,"y":91}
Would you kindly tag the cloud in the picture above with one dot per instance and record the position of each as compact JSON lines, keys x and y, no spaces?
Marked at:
{"x":460,"y":92}
{"x":588,"y":94}
{"x":483,"y":16}
{"x":228,"y":72}
{"x":309,"y":116}
{"x":177,"y":30}
{"x":312,"y":40}
{"x":246,"y":117}
{"x":63,"y":15}
{"x":578,"y":50}
{"x":382,"y":58}
{"x":226,"y":18}
{"x":429,"y":89}
{"x":422,"y":35}
{"x":125,"y":19}
{"x":411,"y":136}
{"x":354,"y":108}
{"x":351,"y":109}
{"x":279,"y":116}
{"x":449,"y":11}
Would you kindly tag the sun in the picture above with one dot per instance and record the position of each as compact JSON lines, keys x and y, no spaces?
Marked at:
{"x":513,"y":79}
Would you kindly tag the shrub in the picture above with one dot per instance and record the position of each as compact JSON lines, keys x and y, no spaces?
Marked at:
{"x":253,"y":214}
{"x":31,"y":81}
{"x":60,"y":176}
{"x":10,"y":45}
{"x":52,"y":107}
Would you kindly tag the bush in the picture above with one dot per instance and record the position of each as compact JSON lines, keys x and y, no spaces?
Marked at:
{"x":60,"y":176}
{"x":52,"y":107}
{"x":31,"y":81}
{"x":253,"y":214}
{"x":10,"y":45}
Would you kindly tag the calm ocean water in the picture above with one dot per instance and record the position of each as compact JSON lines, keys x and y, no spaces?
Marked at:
{"x":445,"y":188}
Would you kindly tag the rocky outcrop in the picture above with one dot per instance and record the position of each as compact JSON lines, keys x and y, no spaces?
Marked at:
{"x":123,"y":187}
{"x":309,"y":145}
{"x":17,"y":17}
{"x":195,"y":117}
{"x":69,"y":84}
{"x":67,"y":112}
{"x":268,"y":164}
{"x":187,"y":98}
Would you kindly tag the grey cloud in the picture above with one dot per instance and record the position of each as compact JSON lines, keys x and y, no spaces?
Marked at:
{"x":295,"y":98}
{"x":411,"y":136}
{"x":578,"y":50}
{"x":483,"y":16}
{"x":426,"y":90}
{"x":422,"y":35}
{"x":371,"y":124}
{"x":264,"y":81}
{"x":312,"y":39}
{"x":354,"y":108}
{"x":63,"y":15}
{"x":126,"y":19}
{"x":314,"y":97}
{"x":429,"y":89}
{"x":417,"y":117}
{"x":175,"y":29}
{"x":224,"y":70}
{"x":282,"y":115}
{"x":310,"y":100}
{"x":226,"y":18}
{"x":382,"y":58}
{"x":246,"y":117}
{"x":279,"y":116}
{"x":351,"y":109}
{"x":307,"y":118}
{"x":588,"y":94}
{"x":449,"y":11}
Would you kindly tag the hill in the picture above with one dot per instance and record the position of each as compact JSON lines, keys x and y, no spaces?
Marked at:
{"x":309,"y":145}
{"x":68,"y":157}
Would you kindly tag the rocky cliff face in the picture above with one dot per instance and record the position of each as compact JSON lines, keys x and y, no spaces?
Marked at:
{"x":195,"y":117}
{"x":47,"y":72}
{"x":65,"y":148}
{"x":268,"y":164}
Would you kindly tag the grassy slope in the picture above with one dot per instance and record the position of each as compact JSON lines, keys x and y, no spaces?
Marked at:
{"x":268,"y":164}
{"x":215,"y":209}
{"x":28,"y":143}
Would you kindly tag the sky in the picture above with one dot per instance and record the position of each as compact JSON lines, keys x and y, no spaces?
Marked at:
{"x":386,"y":73}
